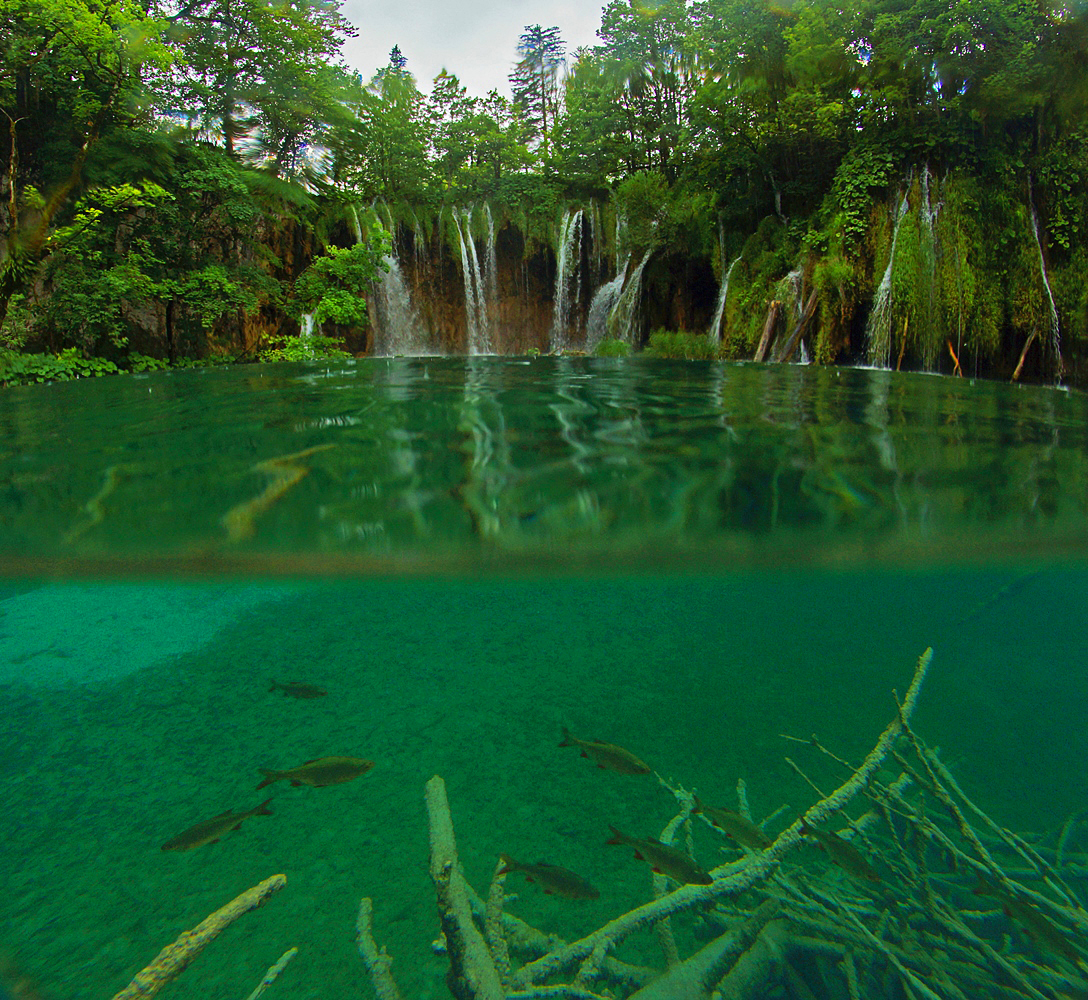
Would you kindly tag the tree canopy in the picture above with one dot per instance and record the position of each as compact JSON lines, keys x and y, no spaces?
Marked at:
{"x":238,"y":120}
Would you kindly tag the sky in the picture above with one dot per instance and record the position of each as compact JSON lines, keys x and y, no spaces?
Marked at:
{"x":477,"y":40}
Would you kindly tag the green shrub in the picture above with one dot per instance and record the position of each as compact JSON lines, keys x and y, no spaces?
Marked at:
{"x":142,"y":363}
{"x":24,"y":369}
{"x":313,"y":348}
{"x":689,"y":346}
{"x":611,"y":347}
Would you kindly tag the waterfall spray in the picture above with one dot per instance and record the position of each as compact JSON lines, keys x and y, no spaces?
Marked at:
{"x":1054,"y":339}
{"x":479,"y":327}
{"x":623,"y":323}
{"x":928,"y":332}
{"x":570,"y":232}
{"x":878,"y":331}
{"x":604,"y":301}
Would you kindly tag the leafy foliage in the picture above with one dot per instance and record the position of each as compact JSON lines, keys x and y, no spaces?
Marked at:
{"x":333,"y":288}
{"x":679,"y":344}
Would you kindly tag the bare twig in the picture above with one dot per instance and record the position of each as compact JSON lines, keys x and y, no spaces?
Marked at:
{"x":173,"y":959}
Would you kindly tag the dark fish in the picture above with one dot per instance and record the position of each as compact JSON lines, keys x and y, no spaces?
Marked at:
{"x":842,"y":853}
{"x":320,"y":772}
{"x":211,"y":830}
{"x":663,"y":859}
{"x":551,"y":878}
{"x":297,"y":689}
{"x":606,"y":755}
{"x":735,"y":826}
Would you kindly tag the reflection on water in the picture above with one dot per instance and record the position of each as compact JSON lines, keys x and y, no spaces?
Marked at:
{"x":754,"y":557}
{"x":402,"y":464}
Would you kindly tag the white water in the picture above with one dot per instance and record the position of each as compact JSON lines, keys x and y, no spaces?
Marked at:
{"x":1054,"y":346}
{"x":397,"y":326}
{"x":928,"y":213}
{"x":714,"y":334}
{"x":623,"y":323}
{"x":604,"y":301}
{"x":475,"y":301}
{"x":878,"y":331}
{"x":570,"y":233}
{"x":398,"y":329}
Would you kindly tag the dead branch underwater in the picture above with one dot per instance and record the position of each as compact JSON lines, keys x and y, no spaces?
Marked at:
{"x":920,"y":895}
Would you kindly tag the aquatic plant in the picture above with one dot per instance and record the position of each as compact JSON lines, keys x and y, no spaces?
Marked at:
{"x":611,"y":347}
{"x":677,"y":344}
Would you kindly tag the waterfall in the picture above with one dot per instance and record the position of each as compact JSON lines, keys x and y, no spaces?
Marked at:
{"x":479,"y":340}
{"x":928,"y":332}
{"x":596,"y":240}
{"x":398,"y":328}
{"x":482,"y":343}
{"x":604,"y":301}
{"x":308,"y":326}
{"x":623,"y":323}
{"x":622,"y":253}
{"x":570,"y":256}
{"x":878,"y":331}
{"x":1054,"y":347}
{"x":714,"y":334}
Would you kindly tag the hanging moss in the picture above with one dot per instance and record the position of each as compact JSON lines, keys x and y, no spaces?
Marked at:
{"x":837,"y":282}
{"x":769,"y":254}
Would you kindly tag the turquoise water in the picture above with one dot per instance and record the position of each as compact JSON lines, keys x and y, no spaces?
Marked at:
{"x":691,"y":561}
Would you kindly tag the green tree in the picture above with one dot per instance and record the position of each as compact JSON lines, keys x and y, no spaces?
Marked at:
{"x":70,"y":73}
{"x":334,"y":287}
{"x":379,"y":147}
{"x":535,"y":80}
{"x":251,"y":67}
{"x":649,"y":62}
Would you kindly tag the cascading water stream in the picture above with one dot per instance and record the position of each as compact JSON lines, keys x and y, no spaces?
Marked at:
{"x":472,"y":310}
{"x":714,"y":334}
{"x":397,"y":326}
{"x":623,"y":323}
{"x":570,"y":232}
{"x":482,"y":342}
{"x":604,"y":301}
{"x":878,"y":331}
{"x":1054,"y":345}
{"x":929,"y":334}
{"x":399,"y":329}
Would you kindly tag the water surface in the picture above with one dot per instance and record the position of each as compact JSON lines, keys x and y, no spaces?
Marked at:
{"x":693,"y":561}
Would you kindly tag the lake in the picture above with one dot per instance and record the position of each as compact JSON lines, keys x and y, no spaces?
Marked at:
{"x":710,"y":565}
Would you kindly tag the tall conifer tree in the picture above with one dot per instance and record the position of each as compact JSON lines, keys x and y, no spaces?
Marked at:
{"x":534,"y":81}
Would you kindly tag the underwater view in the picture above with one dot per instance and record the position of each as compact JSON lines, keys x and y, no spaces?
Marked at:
{"x":596,"y":678}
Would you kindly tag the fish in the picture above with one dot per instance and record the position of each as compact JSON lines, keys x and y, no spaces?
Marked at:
{"x":663,"y":859}
{"x":843,"y":853}
{"x":606,"y":755}
{"x":555,"y":881}
{"x":298,"y":689}
{"x":320,"y":772}
{"x":735,"y":826}
{"x":211,"y":830}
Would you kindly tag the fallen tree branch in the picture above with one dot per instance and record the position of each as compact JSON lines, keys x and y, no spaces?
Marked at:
{"x":174,"y":958}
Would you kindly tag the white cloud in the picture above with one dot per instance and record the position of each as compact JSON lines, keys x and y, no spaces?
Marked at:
{"x":478,"y":42}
